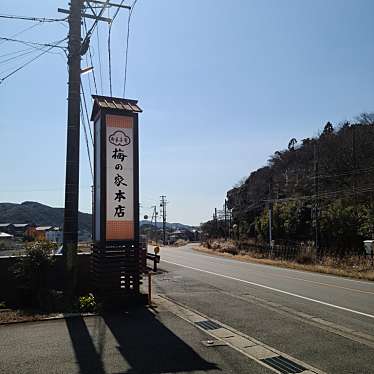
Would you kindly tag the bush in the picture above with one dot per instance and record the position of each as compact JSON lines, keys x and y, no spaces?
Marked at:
{"x":87,"y":304}
{"x":32,"y":271}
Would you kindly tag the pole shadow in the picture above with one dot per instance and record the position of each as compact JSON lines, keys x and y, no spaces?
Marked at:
{"x":150,"y":347}
{"x":145,"y":343}
{"x":89,"y":360}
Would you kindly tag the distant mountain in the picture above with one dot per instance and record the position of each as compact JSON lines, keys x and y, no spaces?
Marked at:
{"x":41,"y":215}
{"x":44,"y":215}
{"x":175,"y":226}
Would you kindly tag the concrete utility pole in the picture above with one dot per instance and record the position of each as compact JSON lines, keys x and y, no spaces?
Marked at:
{"x":316,"y":192}
{"x":225,"y":208}
{"x":70,"y":239}
{"x":270,"y":212}
{"x":216,"y":220}
{"x":163,"y":206}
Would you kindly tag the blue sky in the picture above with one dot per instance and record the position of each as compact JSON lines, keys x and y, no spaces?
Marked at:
{"x":223,"y":85}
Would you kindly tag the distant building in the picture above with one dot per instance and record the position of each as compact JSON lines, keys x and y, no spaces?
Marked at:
{"x":5,"y":237}
{"x":7,"y":228}
{"x":54,"y":235}
{"x":23,"y":229}
{"x":41,"y":232}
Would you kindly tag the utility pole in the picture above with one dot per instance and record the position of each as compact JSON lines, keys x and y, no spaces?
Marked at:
{"x":270,"y":212}
{"x":230,"y":221}
{"x":316,"y":193}
{"x":70,"y":239}
{"x":216,"y":220}
{"x":163,"y":206}
{"x":154,"y":215}
{"x":225,"y":209}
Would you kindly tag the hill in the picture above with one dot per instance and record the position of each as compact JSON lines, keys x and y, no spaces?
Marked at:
{"x":174,"y":226}
{"x":40,"y":214}
{"x":320,"y":187}
{"x":44,"y":215}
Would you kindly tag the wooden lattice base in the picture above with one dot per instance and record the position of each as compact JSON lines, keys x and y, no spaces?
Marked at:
{"x":117,"y":273}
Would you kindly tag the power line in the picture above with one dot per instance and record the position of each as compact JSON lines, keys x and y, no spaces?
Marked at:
{"x":99,"y":54}
{"x":31,"y":43}
{"x":29,"y":51}
{"x":86,"y":111}
{"x":86,"y":140}
{"x":109,"y":49}
{"x":127,"y":46}
{"x":90,"y":54}
{"x":30,"y":61}
{"x":325,"y":195}
{"x":110,"y":60}
{"x":37,"y":19}
{"x":22,"y":31}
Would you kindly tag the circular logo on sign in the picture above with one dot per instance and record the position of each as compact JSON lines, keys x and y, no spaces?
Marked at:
{"x":119,"y":138}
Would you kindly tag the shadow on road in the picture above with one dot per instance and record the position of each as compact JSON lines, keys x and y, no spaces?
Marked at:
{"x":145,"y":343}
{"x":89,"y":360}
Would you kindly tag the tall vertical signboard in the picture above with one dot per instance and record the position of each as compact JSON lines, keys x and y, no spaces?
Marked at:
{"x":119,"y":178}
{"x":116,"y":193}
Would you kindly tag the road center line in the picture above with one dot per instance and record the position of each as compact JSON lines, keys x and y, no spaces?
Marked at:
{"x":274,"y":289}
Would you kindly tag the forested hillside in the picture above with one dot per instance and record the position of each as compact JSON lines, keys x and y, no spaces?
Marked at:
{"x":318,"y":187}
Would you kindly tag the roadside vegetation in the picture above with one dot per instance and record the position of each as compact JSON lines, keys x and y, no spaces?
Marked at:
{"x":33,"y":283}
{"x":354,"y":266}
{"x":316,"y":198}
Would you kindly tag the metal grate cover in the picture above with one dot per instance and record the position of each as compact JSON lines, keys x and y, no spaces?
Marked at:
{"x":284,"y":365}
{"x":208,"y":325}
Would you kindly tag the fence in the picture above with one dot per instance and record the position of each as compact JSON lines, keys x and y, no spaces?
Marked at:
{"x":298,"y":251}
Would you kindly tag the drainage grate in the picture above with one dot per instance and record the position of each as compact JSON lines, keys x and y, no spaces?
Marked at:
{"x":208,"y":325}
{"x":283,"y":365}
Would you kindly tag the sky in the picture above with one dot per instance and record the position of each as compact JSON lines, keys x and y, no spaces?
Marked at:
{"x":222,"y":84}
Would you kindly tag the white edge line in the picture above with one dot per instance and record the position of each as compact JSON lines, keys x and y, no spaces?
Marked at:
{"x":280,"y":268}
{"x":275,"y":289}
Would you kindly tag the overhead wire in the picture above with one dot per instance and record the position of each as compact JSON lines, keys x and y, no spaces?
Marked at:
{"x":110,"y":58}
{"x":90,"y":54}
{"x":30,"y":61}
{"x":32,"y":44}
{"x":86,"y":140}
{"x":29,"y":50}
{"x":22,"y":31}
{"x":37,"y":19}
{"x":86,"y":112}
{"x":99,"y":55}
{"x":83,"y":113}
{"x":127,"y":46}
{"x":109,"y":46}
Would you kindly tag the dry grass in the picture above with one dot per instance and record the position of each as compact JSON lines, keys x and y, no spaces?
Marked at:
{"x":10,"y":315}
{"x":350,"y":267}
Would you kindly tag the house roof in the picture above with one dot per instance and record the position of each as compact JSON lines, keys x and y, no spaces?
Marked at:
{"x":116,"y":103}
{"x":43,"y":228}
{"x":4,"y":235}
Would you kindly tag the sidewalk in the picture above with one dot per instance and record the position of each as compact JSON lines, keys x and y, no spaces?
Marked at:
{"x":140,"y":340}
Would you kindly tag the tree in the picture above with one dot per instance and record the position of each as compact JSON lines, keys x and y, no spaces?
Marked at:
{"x":291,"y":144}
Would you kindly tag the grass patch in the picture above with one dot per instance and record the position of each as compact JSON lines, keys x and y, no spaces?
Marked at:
{"x":352,"y":267}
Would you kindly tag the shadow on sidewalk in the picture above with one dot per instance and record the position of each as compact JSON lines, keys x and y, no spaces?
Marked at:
{"x":89,"y":360}
{"x":142,"y":340}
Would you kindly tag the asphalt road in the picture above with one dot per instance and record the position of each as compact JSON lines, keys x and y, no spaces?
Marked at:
{"x":323,"y":320}
{"x":137,"y":341}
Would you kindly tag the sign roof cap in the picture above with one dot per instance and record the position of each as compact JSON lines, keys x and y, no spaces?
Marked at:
{"x":116,"y":103}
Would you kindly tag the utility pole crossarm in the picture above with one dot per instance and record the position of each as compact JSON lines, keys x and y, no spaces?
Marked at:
{"x":85,"y":15}
{"x":110,"y":4}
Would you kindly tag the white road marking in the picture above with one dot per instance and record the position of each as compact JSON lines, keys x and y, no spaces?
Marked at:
{"x":275,"y":289}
